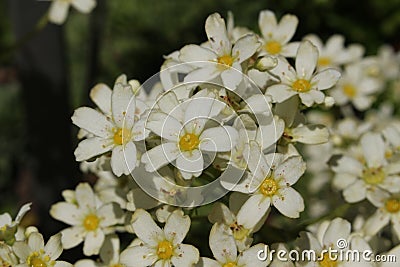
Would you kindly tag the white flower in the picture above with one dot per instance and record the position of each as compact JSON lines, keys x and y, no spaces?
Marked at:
{"x":333,"y":53}
{"x":270,"y":180}
{"x":59,"y":9}
{"x":8,"y":227}
{"x":7,"y":256}
{"x":115,"y":129}
{"x":388,"y":211}
{"x":356,"y":87}
{"x":302,"y":81}
{"x":185,"y":135}
{"x":89,"y":220}
{"x":237,"y":221}
{"x":367,"y":176}
{"x":276,"y":36}
{"x":224,"y":251}
{"x":223,"y":59}
{"x":35,"y":254}
{"x":160,"y":247}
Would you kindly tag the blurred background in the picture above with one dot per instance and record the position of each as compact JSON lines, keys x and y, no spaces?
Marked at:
{"x":46,"y":74}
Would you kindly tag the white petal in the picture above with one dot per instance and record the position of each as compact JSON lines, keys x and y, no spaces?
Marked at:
{"x":139,"y":132}
{"x":123,"y":105}
{"x":355,"y":192}
{"x":186,"y":255}
{"x":145,"y":227}
{"x":86,"y":263}
{"x":93,"y":242}
{"x":253,"y":210}
{"x":92,"y":121}
{"x":221,"y":214}
{"x":207,"y":73}
{"x":286,"y":28}
{"x":109,"y":252}
{"x":289,"y":202}
{"x":337,"y":229}
{"x":222,"y":245}
{"x":66,"y":212}
{"x":194,"y":53}
{"x":267,"y":23}
{"x":220,"y":139}
{"x":343,"y":180}
{"x":217,"y":34}
{"x":64,"y":264}
{"x":207,"y":262}
{"x":290,"y":49}
{"x":53,"y":247}
{"x":164,"y":125}
{"x":326,"y":79}
{"x":249,"y":257}
{"x":22,"y":250}
{"x":257,"y":104}
{"x":101,"y":96}
{"x":376,"y":222}
{"x":123,"y":159}
{"x":72,"y":236}
{"x":190,"y":162}
{"x":85,"y":197}
{"x":36,"y":242}
{"x":168,"y":102}
{"x":198,"y":108}
{"x":280,"y":92}
{"x":92,"y":147}
{"x":346,"y":164}
{"x":58,"y":12}
{"x":284,"y":70}
{"x":232,"y":77}
{"x":245,"y":47}
{"x":109,"y":214}
{"x":138,"y":256}
{"x":84,"y":6}
{"x":374,"y":149}
{"x":176,"y":227}
{"x":291,"y":169}
{"x":312,"y":134}
{"x":160,"y":156}
{"x":311,"y":97}
{"x":306,"y":60}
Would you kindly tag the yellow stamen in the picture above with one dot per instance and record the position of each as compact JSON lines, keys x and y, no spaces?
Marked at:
{"x":349,"y":90}
{"x":273,"y":47}
{"x":327,"y":262}
{"x":301,"y":86}
{"x":225,"y":61}
{"x":373,"y":176}
{"x":229,"y":264}
{"x":165,"y":250}
{"x":189,"y":142}
{"x":269,"y":187}
{"x":91,"y":222}
{"x":392,"y":205}
{"x":239,"y":232}
{"x":324,"y":61}
{"x":122,"y":136}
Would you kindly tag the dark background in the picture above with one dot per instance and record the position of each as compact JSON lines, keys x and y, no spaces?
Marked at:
{"x":44,"y":78}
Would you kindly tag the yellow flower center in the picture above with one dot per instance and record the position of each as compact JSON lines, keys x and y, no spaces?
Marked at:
{"x":122,"y":136}
{"x":373,"y":176}
{"x":273,"y":47}
{"x":229,"y":264}
{"x":117,"y":265}
{"x":91,"y":222}
{"x":349,"y":90}
{"x":189,"y":142}
{"x":226,"y":61}
{"x":37,"y":259}
{"x":269,"y":187}
{"x":324,"y":61}
{"x":165,"y":250}
{"x":392,"y":205}
{"x":301,"y":86}
{"x":327,"y":262}
{"x":239,"y":232}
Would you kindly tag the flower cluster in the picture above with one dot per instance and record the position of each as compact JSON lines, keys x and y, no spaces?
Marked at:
{"x":266,"y":126}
